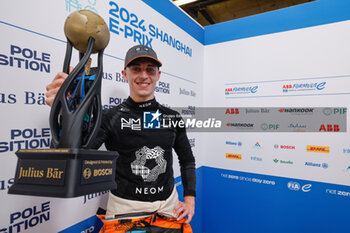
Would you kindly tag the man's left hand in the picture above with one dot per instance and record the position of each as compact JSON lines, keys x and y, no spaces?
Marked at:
{"x":186,"y":208}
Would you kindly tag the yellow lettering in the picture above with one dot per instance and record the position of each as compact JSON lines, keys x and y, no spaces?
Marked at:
{"x":54,"y":173}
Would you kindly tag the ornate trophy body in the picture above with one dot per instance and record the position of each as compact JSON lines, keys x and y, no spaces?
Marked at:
{"x":71,"y":168}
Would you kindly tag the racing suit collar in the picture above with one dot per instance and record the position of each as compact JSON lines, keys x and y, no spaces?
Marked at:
{"x":141,"y":105}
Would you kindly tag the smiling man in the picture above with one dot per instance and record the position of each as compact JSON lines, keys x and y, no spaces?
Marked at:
{"x":141,"y":71}
{"x":144,"y":169}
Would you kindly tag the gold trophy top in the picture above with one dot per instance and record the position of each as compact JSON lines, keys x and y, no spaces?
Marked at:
{"x":83,"y":24}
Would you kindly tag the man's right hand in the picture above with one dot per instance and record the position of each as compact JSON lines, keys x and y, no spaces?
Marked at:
{"x":54,"y":86}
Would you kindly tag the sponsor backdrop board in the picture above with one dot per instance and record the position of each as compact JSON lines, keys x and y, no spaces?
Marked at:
{"x":294,"y":60}
{"x":32,"y":51}
{"x":297,"y":60}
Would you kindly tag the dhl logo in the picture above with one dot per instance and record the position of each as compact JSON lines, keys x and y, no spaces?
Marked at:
{"x":319,"y":149}
{"x":233,"y":156}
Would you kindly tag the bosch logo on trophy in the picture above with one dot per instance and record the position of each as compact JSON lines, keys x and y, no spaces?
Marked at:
{"x":26,"y":58}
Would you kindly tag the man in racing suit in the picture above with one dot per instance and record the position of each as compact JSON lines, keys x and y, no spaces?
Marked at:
{"x":144,"y":173}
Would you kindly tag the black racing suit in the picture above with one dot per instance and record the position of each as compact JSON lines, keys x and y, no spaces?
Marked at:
{"x":144,"y":168}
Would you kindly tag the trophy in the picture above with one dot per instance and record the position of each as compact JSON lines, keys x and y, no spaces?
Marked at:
{"x":71,"y":168}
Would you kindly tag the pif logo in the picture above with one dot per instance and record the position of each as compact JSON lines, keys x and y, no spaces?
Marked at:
{"x":329,"y":128}
{"x":335,"y":111}
{"x":233,"y":156}
{"x":318,"y":149}
{"x":265,"y":126}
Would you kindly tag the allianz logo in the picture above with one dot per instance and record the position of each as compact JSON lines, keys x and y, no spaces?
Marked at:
{"x":311,"y":164}
{"x":346,"y":150}
{"x":234,"y":143}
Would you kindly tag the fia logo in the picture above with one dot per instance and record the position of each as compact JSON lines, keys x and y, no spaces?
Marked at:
{"x":295,"y":186}
{"x":131,"y":123}
{"x":151,"y":120}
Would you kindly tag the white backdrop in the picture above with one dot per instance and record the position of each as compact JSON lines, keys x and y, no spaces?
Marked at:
{"x":32,"y":51}
{"x":310,"y":55}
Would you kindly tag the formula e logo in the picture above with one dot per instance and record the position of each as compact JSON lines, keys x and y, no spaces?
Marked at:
{"x":295,"y":186}
{"x":306,"y":188}
{"x":151,"y":120}
{"x":131,"y":123}
{"x":241,"y":90}
{"x":304,"y":87}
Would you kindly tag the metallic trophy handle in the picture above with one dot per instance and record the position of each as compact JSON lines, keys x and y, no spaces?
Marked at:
{"x":75,"y":115}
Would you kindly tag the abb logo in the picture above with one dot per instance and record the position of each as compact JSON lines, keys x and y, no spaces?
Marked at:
{"x":288,"y":86}
{"x":329,"y":128}
{"x":232,"y":111}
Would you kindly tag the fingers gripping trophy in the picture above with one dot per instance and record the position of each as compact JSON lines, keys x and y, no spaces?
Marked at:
{"x":71,"y":168}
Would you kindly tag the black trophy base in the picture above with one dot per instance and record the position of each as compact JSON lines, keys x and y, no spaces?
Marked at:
{"x":64,"y":172}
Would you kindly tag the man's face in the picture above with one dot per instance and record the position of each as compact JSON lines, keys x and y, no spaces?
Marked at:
{"x":142,"y":76}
